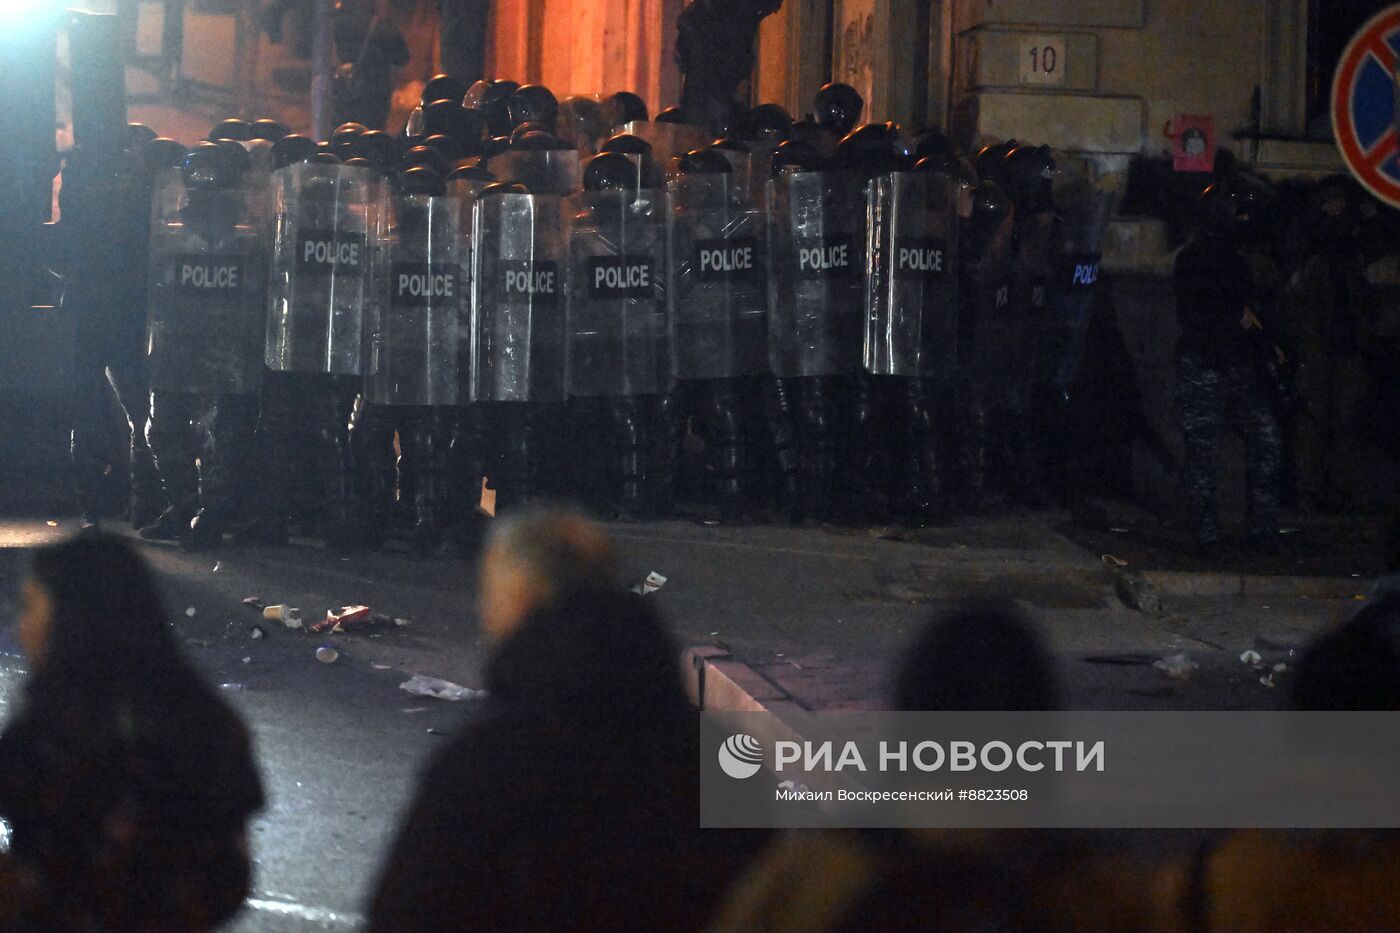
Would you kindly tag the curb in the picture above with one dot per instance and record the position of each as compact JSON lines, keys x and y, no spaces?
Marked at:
{"x":1190,"y":583}
{"x":715,"y":681}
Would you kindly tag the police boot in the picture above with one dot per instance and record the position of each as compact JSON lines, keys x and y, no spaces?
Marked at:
{"x":171,"y":435}
{"x":626,"y":416}
{"x":921,"y":501}
{"x":778,"y":413}
{"x":818,"y":447}
{"x":417,"y":440}
{"x":338,"y":524}
{"x":865,"y":468}
{"x":973,"y":439}
{"x":513,"y":480}
{"x":727,"y":438}
{"x":146,"y":500}
{"x":665,"y":424}
{"x":374,"y":475}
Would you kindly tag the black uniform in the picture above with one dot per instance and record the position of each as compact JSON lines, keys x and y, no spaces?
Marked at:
{"x":106,"y":208}
{"x":1220,"y":381}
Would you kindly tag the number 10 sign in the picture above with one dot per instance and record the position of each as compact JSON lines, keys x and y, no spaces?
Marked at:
{"x":1043,"y":60}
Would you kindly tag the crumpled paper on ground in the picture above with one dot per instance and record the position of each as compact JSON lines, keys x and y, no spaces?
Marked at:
{"x":422,"y":685}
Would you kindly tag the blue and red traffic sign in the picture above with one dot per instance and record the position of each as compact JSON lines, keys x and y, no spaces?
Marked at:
{"x":1364,"y":108}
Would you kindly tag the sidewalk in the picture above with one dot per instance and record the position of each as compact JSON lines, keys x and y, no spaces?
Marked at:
{"x":815,"y":620}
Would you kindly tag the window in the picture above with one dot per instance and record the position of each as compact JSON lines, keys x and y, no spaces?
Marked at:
{"x":1331,"y":24}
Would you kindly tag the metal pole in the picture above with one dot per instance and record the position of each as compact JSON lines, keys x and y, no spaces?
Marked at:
{"x":322,"y":70}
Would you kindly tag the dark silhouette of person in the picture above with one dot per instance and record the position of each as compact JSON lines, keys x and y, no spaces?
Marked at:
{"x":572,"y":801}
{"x":127,"y":782}
{"x":715,"y":51}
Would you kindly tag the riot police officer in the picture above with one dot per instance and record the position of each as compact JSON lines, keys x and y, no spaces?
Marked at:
{"x":991,"y":341}
{"x":204,"y":340}
{"x":816,"y":302}
{"x":617,"y":336}
{"x":1027,"y":174}
{"x":1219,"y":380}
{"x":323,"y":279}
{"x":911,"y":324}
{"x":517,"y":334}
{"x":719,"y":311}
{"x":412,"y":377}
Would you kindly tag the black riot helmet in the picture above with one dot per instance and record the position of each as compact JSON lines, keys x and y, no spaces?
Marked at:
{"x":767,"y":123}
{"x":493,"y":146}
{"x":627,"y":144}
{"x":731,"y":144}
{"x":1254,"y":199}
{"x":358,"y":162}
{"x":990,"y":201}
{"x":451,"y":150}
{"x":838,"y":108}
{"x":1028,"y":174}
{"x":792,"y":157}
{"x":269,"y":129}
{"x":419,"y":179}
{"x":345,"y":136}
{"x":536,"y":141}
{"x":494,"y":107}
{"x":232,"y":129}
{"x":944,"y":164}
{"x":444,"y":87}
{"x":870,"y":149}
{"x":138,"y":134}
{"x":990,"y":158}
{"x":380,"y":149}
{"x":625,"y":107}
{"x":703,"y":162}
{"x":238,"y":155}
{"x":449,"y":118}
{"x":503,"y":187}
{"x":1219,"y":211}
{"x":990,"y":208}
{"x":582,"y":118}
{"x":524,"y":128}
{"x":326,"y":158}
{"x":424,"y":156}
{"x":161,"y":153}
{"x":933,"y":143}
{"x":292,"y":149}
{"x":671,"y":115}
{"x":610,"y":171}
{"x":466,"y":171}
{"x":210,"y":167}
{"x":534,"y":103}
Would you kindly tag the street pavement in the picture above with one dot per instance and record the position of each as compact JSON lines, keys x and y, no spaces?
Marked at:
{"x":816,"y":616}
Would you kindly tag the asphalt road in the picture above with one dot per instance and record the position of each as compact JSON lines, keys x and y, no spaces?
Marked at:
{"x":340,"y":743}
{"x":818,"y":610}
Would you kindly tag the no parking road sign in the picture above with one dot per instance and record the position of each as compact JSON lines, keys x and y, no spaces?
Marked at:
{"x":1364,"y":106}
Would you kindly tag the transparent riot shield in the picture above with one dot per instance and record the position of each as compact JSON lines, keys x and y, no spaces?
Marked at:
{"x":719,"y":280}
{"x":996,"y":333}
{"x":816,"y":292}
{"x":208,"y":291}
{"x":555,"y":172}
{"x":617,"y":294}
{"x":518,"y":314}
{"x":326,"y":216}
{"x":911,"y":279}
{"x":669,"y":140}
{"x":414,"y":321}
{"x":1083,"y":223}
